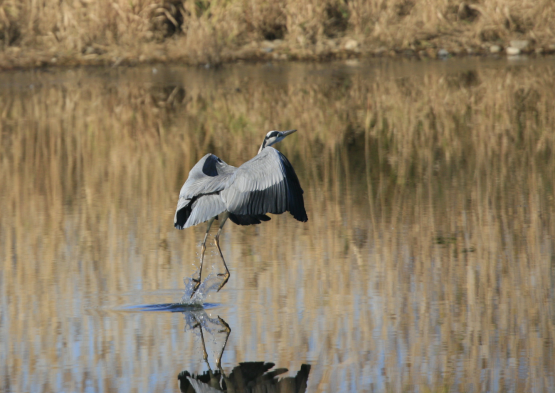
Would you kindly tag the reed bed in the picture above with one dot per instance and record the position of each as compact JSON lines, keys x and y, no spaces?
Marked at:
{"x":427,"y":262}
{"x":210,"y":32}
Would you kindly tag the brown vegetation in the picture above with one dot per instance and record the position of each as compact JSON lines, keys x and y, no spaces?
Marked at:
{"x":116,"y":32}
{"x":429,"y":194}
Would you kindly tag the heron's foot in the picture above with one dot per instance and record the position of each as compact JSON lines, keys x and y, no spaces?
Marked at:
{"x":226,"y":278}
{"x":197,"y":284}
{"x":226,"y":329}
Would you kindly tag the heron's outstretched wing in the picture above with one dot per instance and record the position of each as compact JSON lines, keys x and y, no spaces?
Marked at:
{"x":199,"y":210}
{"x":199,"y":200}
{"x":209,"y":175}
{"x":265,"y":184}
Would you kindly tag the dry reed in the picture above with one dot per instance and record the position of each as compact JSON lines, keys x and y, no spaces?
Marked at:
{"x":198,"y":32}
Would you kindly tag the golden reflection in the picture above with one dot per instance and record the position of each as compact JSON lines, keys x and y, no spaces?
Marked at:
{"x":428,"y":261}
{"x":246,"y":376}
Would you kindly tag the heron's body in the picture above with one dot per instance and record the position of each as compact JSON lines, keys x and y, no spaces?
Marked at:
{"x":265,"y":184}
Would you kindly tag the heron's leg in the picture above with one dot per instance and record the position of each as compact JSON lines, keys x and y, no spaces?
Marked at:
{"x":205,"y":354}
{"x":223,"y":218}
{"x":203,"y":250}
{"x":227,"y":331}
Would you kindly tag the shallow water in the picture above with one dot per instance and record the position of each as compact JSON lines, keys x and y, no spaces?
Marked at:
{"x":427,"y":263}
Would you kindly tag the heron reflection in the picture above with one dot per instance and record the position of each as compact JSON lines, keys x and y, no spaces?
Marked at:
{"x":245,"y":377}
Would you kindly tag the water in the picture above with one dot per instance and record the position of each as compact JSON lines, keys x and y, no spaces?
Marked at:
{"x":207,"y":286}
{"x":427,"y":263}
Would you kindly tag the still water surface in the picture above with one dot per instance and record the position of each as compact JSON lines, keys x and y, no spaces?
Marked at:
{"x":427,"y":263}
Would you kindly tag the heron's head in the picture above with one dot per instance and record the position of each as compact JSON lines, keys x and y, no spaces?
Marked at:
{"x":274,"y":137}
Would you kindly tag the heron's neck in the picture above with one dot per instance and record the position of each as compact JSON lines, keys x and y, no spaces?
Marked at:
{"x":262,"y":146}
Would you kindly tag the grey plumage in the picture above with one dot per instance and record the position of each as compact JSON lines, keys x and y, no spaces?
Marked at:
{"x":199,"y":199}
{"x":265,"y":184}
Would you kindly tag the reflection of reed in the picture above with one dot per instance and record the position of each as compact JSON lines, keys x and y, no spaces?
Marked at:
{"x":430,"y":248}
{"x":245,"y":377}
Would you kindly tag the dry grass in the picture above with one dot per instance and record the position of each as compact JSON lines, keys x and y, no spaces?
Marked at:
{"x":427,"y":261}
{"x":114,"y":32}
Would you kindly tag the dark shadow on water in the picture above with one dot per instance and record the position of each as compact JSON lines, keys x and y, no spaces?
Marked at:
{"x":170,"y":307}
{"x":245,"y":377}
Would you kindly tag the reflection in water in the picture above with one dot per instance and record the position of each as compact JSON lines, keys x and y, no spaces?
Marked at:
{"x":245,"y":377}
{"x":428,"y":263}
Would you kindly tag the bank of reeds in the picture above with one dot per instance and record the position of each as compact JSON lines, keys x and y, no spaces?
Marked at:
{"x":210,"y":32}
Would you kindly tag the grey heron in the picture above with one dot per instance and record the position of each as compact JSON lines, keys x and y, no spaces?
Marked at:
{"x":265,"y":184}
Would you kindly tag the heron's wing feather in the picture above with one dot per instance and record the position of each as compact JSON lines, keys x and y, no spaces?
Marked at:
{"x":182,"y":213}
{"x":197,"y":210}
{"x":248,"y":220}
{"x":265,"y":184}
{"x":209,"y":175}
{"x":201,"y":387}
{"x":199,"y":200}
{"x":204,"y":208}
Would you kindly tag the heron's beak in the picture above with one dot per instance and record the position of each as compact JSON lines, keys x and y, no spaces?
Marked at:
{"x":285,"y":133}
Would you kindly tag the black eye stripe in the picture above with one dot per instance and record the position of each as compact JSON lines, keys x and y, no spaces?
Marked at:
{"x":273,"y":134}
